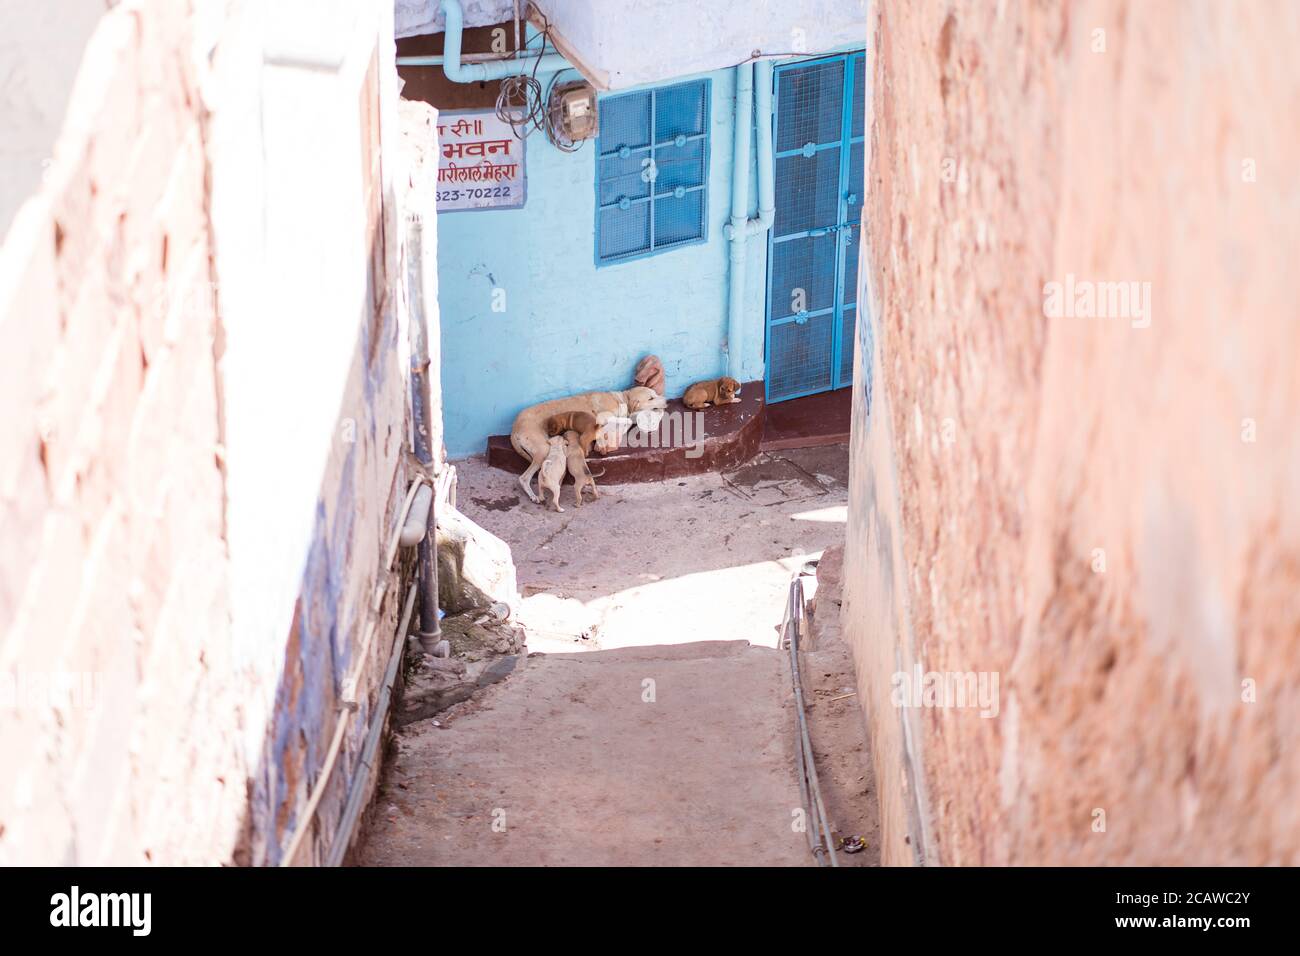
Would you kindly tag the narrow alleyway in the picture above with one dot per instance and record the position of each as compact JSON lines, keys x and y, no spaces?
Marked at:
{"x":651,"y":723}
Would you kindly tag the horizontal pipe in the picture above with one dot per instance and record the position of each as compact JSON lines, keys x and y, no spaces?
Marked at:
{"x":417,"y":519}
{"x":461,"y":72}
{"x":437,"y":59}
{"x":396,"y":542}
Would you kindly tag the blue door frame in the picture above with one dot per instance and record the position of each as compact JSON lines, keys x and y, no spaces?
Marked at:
{"x":812,"y":262}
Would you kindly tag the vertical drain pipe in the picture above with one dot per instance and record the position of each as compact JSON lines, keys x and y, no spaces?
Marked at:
{"x":766,"y":156}
{"x":740,"y":227}
{"x":430,"y":632}
{"x":736,"y":229}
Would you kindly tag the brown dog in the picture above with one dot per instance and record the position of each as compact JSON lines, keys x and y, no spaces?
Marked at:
{"x":528,"y":433}
{"x":722,"y":391}
{"x":584,"y":423}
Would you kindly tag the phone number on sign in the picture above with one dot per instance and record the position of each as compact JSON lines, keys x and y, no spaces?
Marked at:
{"x":487,"y":192}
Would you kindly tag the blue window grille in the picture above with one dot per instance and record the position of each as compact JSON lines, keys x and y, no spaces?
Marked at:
{"x":652,"y":171}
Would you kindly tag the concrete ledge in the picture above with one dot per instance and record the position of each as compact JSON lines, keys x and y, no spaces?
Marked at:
{"x":822,"y":419}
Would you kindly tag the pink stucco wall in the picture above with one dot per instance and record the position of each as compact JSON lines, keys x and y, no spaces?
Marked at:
{"x":1101,"y":512}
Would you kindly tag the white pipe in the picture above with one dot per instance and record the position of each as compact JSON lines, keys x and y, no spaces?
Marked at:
{"x":349,"y":701}
{"x":459,"y":72}
{"x":437,"y":59}
{"x":766,"y":156}
{"x":740,"y":227}
{"x":352,"y":809}
{"x":417,"y":522}
{"x":736,"y":229}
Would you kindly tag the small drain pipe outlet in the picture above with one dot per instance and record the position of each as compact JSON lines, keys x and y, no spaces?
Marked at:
{"x":416,"y":527}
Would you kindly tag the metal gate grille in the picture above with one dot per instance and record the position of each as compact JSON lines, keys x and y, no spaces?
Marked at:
{"x":812,"y":247}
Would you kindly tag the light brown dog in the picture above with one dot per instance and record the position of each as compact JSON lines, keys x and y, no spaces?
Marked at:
{"x":528,"y":434}
{"x":721,"y":391}
{"x":584,"y":423}
{"x":582,"y":475}
{"x":553,"y":471}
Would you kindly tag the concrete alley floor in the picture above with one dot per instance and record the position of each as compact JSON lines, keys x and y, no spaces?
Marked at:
{"x":655,"y":726}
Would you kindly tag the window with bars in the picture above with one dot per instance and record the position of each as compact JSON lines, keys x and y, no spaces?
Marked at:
{"x":652,"y":171}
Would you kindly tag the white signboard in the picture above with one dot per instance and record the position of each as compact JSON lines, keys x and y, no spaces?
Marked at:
{"x":481,"y":165}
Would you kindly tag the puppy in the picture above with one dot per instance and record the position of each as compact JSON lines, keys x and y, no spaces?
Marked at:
{"x":584,"y":423}
{"x":553,"y":471}
{"x":613,"y":431}
{"x":582,"y":476}
{"x":528,"y":433}
{"x":722,"y":391}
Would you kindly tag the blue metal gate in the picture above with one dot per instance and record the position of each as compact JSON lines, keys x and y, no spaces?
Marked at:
{"x":812,"y":254}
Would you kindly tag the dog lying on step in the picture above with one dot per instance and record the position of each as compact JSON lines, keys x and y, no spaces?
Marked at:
{"x":721,"y":391}
{"x":528,"y":434}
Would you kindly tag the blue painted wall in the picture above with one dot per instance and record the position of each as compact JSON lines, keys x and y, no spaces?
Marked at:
{"x":568,"y":325}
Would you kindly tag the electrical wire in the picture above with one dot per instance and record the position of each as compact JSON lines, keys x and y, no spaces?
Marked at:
{"x":554,"y":127}
{"x":523,"y":105}
{"x":520,"y":104}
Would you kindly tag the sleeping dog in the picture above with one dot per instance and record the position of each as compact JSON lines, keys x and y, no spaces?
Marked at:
{"x":722,"y":391}
{"x":528,"y":434}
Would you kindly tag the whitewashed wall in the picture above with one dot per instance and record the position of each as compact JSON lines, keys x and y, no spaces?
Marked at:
{"x":40,"y":48}
{"x":629,"y":42}
{"x":413,"y":17}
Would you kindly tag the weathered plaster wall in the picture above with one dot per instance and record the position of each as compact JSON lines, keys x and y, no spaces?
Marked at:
{"x":40,"y":47}
{"x":413,"y":17}
{"x":629,"y":43}
{"x":114,"y":573}
{"x":1104,"y":512}
{"x":305,"y":223}
{"x":569,"y":326}
{"x":206,"y":372}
